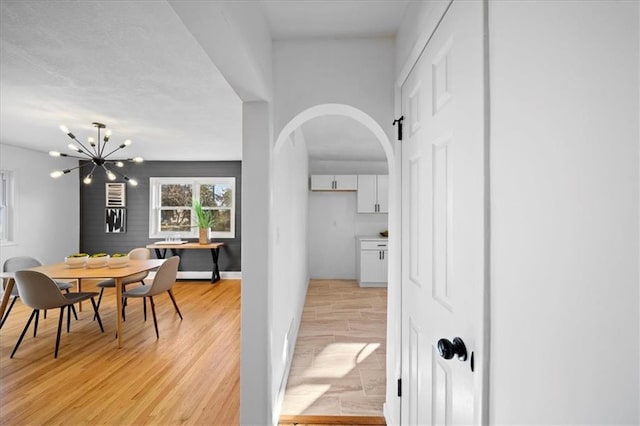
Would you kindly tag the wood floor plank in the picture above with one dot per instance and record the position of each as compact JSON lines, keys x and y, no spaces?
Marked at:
{"x":190,"y":375}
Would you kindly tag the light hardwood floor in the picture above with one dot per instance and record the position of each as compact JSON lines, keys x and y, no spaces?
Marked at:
{"x":338,"y":367}
{"x":191,"y":374}
{"x":188,"y":376}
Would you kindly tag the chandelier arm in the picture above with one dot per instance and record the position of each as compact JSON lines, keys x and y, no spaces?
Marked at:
{"x":97,"y":150}
{"x":104,"y":146}
{"x":86,"y":151}
{"x":75,"y":156}
{"x":118,"y":148}
{"x":125,"y":177}
{"x":76,"y":167}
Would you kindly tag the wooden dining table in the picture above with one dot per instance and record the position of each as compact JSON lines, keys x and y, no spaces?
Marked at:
{"x":64,"y":272}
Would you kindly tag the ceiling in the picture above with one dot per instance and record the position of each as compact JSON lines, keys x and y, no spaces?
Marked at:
{"x":133,"y":66}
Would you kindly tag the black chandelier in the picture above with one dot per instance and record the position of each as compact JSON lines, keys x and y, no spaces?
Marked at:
{"x":95,"y":155}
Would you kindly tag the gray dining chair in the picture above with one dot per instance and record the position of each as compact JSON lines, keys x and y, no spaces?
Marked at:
{"x":163,"y":281}
{"x":18,"y":263}
{"x":38,"y":292}
{"x":140,"y":253}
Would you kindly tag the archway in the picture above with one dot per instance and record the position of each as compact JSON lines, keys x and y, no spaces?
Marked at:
{"x":338,"y":109}
{"x":284,"y":165}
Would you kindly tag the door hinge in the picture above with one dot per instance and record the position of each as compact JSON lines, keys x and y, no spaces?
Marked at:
{"x":399,"y":388}
{"x":398,"y":121}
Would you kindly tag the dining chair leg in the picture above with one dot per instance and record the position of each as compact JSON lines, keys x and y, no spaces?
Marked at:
{"x":99,"y":300}
{"x":155,"y":321}
{"x":175,"y":305}
{"x":55,"y":354}
{"x":6,"y":314}
{"x":144,"y":307}
{"x":35,"y":325}
{"x":45,"y":314}
{"x":73,"y":309}
{"x":24,"y":331}
{"x":124,"y":305}
{"x":97,"y":315}
{"x":68,"y":318}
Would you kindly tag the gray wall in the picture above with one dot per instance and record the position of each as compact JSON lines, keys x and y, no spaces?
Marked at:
{"x":93,"y":237}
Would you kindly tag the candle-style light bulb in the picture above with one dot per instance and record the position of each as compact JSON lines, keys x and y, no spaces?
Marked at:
{"x":119,"y":164}
{"x":65,"y":129}
{"x":110,"y":175}
{"x":87,"y":179}
{"x":56,"y":174}
{"x":91,"y":141}
{"x":54,"y":153}
{"x":137,"y":160}
{"x":133,"y":182}
{"x":127,"y":142}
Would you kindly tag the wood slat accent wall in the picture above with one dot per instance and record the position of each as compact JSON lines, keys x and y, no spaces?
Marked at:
{"x":93,"y":237}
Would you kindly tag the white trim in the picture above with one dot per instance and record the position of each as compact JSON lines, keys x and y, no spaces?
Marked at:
{"x":436,"y":13}
{"x":204,"y":275}
{"x":154,"y":205}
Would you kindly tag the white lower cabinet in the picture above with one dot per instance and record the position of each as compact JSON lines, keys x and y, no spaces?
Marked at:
{"x":372,"y":263}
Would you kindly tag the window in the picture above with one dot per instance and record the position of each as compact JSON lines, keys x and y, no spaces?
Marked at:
{"x":6,"y":206}
{"x":171,"y":201}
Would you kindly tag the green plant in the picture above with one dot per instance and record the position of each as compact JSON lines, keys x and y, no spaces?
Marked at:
{"x":204,"y":218}
{"x":78,"y":255}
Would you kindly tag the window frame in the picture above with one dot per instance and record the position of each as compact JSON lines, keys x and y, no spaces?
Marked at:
{"x":7,"y":205}
{"x":155,"y":183}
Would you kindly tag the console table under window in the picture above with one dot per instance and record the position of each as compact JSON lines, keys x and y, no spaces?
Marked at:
{"x":161,"y":251}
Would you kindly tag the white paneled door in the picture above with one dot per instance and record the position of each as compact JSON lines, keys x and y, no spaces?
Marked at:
{"x":443,"y":231}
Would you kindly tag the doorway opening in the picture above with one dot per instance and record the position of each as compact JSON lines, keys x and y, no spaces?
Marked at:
{"x":335,"y":362}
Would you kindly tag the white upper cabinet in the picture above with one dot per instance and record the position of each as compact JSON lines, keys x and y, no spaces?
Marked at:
{"x":334,"y":182}
{"x":373,"y":194}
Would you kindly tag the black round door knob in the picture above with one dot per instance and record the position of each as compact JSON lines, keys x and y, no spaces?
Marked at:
{"x":448,"y":349}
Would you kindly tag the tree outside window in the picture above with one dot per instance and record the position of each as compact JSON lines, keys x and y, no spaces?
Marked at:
{"x":171,"y":203}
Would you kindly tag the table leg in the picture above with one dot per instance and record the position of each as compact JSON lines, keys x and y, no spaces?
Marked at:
{"x":215,"y":272}
{"x":79,"y":290}
{"x":6,"y":296}
{"x":119,"y":310}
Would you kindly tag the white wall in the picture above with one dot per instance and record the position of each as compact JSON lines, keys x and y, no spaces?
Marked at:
{"x":47,"y":211}
{"x":347,"y":167}
{"x":290,"y":268}
{"x":255,"y":358}
{"x":333,"y":226}
{"x":334,"y":222}
{"x":355,"y":72}
{"x":564,"y":176}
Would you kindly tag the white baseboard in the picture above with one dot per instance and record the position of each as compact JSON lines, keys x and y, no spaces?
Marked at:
{"x":204,"y":275}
